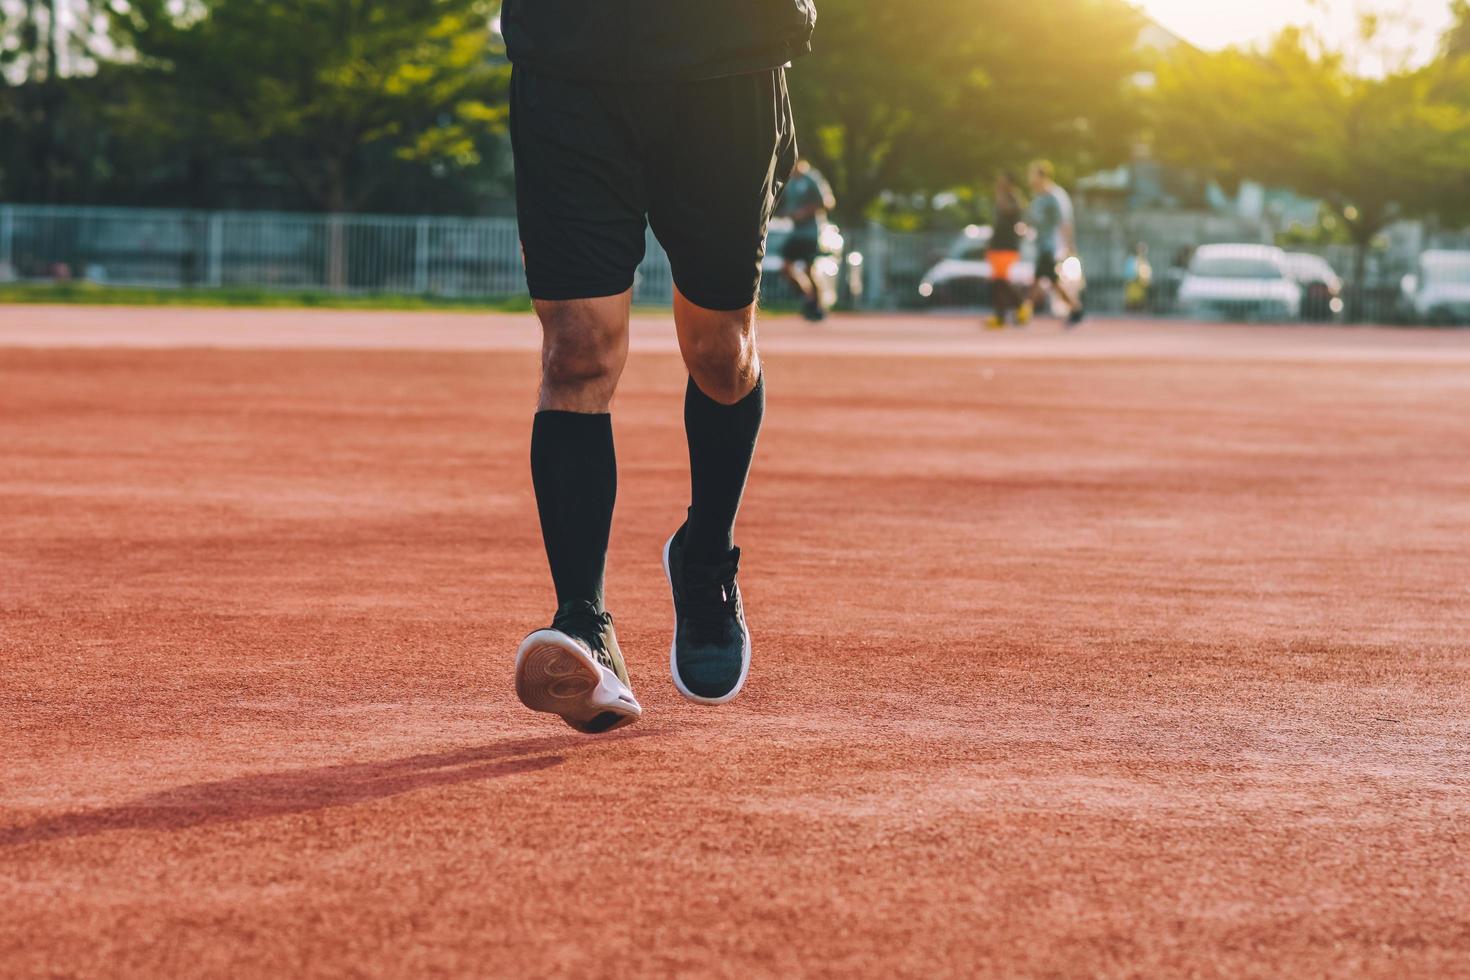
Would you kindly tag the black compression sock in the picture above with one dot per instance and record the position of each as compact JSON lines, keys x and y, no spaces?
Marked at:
{"x":721,"y":445}
{"x":575,"y":472}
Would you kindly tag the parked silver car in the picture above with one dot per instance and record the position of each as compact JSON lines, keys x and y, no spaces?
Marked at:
{"x":1438,"y":291}
{"x":1240,"y":282}
{"x":1321,"y":286}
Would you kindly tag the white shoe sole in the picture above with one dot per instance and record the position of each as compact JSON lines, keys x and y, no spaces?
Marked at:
{"x":674,"y":649}
{"x":556,"y":675}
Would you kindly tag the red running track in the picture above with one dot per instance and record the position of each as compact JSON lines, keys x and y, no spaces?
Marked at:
{"x":1140,"y":651}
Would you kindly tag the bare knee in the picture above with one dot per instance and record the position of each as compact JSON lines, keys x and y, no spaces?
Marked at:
{"x":721,"y":354}
{"x":584,"y":347}
{"x":576,"y":360}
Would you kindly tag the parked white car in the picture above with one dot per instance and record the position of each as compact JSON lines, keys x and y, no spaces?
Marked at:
{"x":962,"y":277}
{"x":1439,"y":291}
{"x":1321,"y":286}
{"x":1240,"y":282}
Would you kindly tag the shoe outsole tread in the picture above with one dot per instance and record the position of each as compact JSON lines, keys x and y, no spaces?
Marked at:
{"x":556,"y":675}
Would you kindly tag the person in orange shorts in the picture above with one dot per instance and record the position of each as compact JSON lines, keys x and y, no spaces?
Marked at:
{"x":1005,"y":249}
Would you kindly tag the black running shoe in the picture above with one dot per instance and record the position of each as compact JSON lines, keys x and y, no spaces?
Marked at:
{"x":574,"y":669}
{"x":710,"y":655}
{"x":1075,"y":320}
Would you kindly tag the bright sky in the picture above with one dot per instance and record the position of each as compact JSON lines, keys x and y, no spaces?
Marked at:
{"x":1218,"y":23}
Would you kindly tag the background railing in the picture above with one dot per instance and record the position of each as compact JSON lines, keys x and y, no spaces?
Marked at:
{"x":480,"y":257}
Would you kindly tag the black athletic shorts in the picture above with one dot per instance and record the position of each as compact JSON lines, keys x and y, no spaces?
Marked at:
{"x":801,"y":248}
{"x":1046,"y":267}
{"x":597,"y":163}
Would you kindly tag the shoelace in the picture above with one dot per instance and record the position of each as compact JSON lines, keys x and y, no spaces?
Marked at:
{"x":587,"y":623}
{"x":709,"y":602}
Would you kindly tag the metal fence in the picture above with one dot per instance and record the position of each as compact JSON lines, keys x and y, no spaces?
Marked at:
{"x":363,"y":254}
{"x":480,"y":257}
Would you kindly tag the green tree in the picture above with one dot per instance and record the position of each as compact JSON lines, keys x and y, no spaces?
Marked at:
{"x":325,"y":89}
{"x":42,"y":43}
{"x":1450,"y":76}
{"x":1456,"y":42}
{"x":927,"y":96}
{"x":1374,"y":148}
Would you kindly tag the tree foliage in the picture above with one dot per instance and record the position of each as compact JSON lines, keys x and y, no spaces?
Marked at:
{"x":927,"y":96}
{"x":42,"y":136}
{"x":1456,"y":43}
{"x":1449,"y":78}
{"x":1375,"y":148}
{"x":331,"y":91}
{"x":346,"y":104}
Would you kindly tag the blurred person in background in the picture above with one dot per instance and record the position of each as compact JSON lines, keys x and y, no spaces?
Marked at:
{"x":1138,"y":273}
{"x":1005,"y":248}
{"x":1051,"y":217}
{"x":625,"y":116}
{"x":806,"y":202}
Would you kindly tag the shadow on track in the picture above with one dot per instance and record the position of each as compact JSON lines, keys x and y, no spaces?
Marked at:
{"x":275,"y":794}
